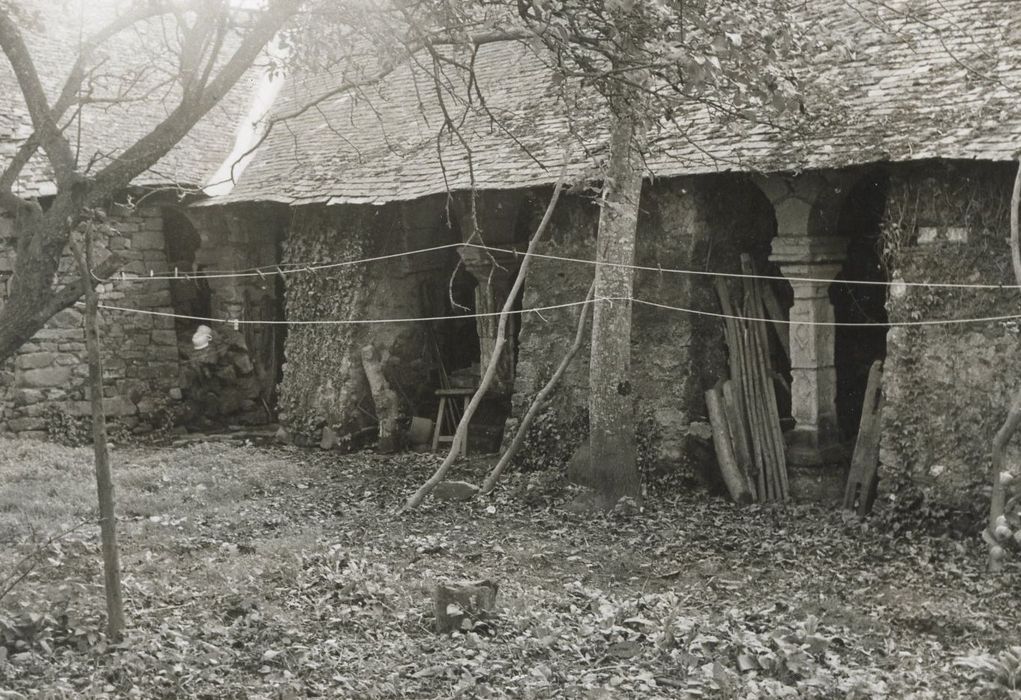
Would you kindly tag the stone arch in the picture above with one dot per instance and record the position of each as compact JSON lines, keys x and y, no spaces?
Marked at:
{"x":810,"y":252}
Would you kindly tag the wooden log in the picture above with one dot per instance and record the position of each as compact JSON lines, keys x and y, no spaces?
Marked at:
{"x":739,"y":372}
{"x":861,"y":478}
{"x":773,"y":434}
{"x":738,"y":423}
{"x":754,"y":420}
{"x":769,"y":392}
{"x":723,"y":442}
{"x":760,"y":389}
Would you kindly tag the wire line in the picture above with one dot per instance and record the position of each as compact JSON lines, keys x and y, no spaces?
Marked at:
{"x":293,"y":268}
{"x":1006,"y":318}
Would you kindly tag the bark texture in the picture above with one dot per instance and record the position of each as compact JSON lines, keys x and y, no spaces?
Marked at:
{"x":613,"y":471}
{"x":104,"y":479}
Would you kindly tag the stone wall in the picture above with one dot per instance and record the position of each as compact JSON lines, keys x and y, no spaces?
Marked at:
{"x":49,"y":374}
{"x":948,"y":386}
{"x":693,"y":224}
{"x":149,"y":368}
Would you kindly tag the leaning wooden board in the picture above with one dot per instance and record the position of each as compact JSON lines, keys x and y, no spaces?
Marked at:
{"x":861,"y":480}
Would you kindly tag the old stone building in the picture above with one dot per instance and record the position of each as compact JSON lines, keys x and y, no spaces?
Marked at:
{"x":902,"y":180}
{"x":895,"y":186}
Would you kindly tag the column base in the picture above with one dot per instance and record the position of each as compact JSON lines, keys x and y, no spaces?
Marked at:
{"x":816,"y":470}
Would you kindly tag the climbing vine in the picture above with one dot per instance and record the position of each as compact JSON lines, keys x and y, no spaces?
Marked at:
{"x":947,"y":385}
{"x":318,"y":356}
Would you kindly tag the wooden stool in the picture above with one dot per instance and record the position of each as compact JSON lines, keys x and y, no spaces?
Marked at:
{"x":449,"y":414}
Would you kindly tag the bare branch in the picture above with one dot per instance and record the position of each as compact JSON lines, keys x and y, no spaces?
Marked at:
{"x":53,"y":143}
{"x":147,"y":151}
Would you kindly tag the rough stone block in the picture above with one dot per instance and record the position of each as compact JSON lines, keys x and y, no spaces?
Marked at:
{"x":927,"y":235}
{"x":26,"y":397}
{"x":43,"y":377}
{"x":35,"y":360}
{"x":957,"y":234}
{"x":113,"y":406}
{"x":147,"y":240}
{"x":454,"y":491}
{"x":164,"y":337}
{"x":19,"y":425}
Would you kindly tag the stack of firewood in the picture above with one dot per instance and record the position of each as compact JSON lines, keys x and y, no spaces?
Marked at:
{"x":743,"y":409}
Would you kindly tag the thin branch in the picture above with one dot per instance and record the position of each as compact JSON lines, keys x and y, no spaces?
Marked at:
{"x":52,"y":141}
{"x":540,"y":398}
{"x":494,"y":360}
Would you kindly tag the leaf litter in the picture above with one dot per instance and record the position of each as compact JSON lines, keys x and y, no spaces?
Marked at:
{"x":288,"y":575}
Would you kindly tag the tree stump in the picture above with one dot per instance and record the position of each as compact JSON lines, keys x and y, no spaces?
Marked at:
{"x":388,"y":403}
{"x":460,"y":605}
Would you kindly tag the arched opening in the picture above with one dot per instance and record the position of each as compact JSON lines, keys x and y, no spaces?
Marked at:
{"x":190,"y":296}
{"x":856,"y":348}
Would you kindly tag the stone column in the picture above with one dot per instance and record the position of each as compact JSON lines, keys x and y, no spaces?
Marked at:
{"x":815,"y":438}
{"x":494,"y":271}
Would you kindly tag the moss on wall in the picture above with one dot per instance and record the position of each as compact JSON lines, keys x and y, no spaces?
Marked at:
{"x":948,"y":386}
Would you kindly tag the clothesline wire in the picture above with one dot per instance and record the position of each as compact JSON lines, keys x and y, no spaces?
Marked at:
{"x":284,"y":269}
{"x":552,"y":307}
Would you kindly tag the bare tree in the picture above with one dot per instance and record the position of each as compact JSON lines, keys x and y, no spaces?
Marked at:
{"x":215,"y":46}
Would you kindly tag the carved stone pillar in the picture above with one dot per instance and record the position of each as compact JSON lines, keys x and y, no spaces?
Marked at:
{"x":815,"y":438}
{"x":494,"y":271}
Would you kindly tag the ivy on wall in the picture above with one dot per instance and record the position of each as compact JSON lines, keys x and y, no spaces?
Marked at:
{"x":947,"y":385}
{"x":318,"y":357}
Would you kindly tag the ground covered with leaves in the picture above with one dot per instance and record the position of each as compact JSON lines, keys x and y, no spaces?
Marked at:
{"x":267,"y":573}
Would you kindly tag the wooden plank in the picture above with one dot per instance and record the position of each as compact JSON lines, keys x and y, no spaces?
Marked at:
{"x":723,"y":443}
{"x":769,"y":392}
{"x":861,"y":479}
{"x":739,"y":434}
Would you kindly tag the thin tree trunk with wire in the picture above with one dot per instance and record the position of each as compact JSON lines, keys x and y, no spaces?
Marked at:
{"x":104,"y":479}
{"x":540,"y":398}
{"x":461,"y":432}
{"x":613,"y":470}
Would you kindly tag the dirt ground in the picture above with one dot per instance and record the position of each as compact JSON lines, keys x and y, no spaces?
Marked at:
{"x":268,"y":573}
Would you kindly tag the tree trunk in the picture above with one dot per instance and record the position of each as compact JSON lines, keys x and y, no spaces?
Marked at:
{"x":388,"y":404}
{"x":104,"y":480}
{"x":613,"y":470}
{"x":35,"y":265}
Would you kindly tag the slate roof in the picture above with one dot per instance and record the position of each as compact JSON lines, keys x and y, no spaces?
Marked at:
{"x":910,"y":80}
{"x":107,"y":129}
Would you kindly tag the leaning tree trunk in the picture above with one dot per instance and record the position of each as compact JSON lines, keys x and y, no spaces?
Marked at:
{"x":41,"y":239}
{"x":613,"y":471}
{"x":36,"y":264}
